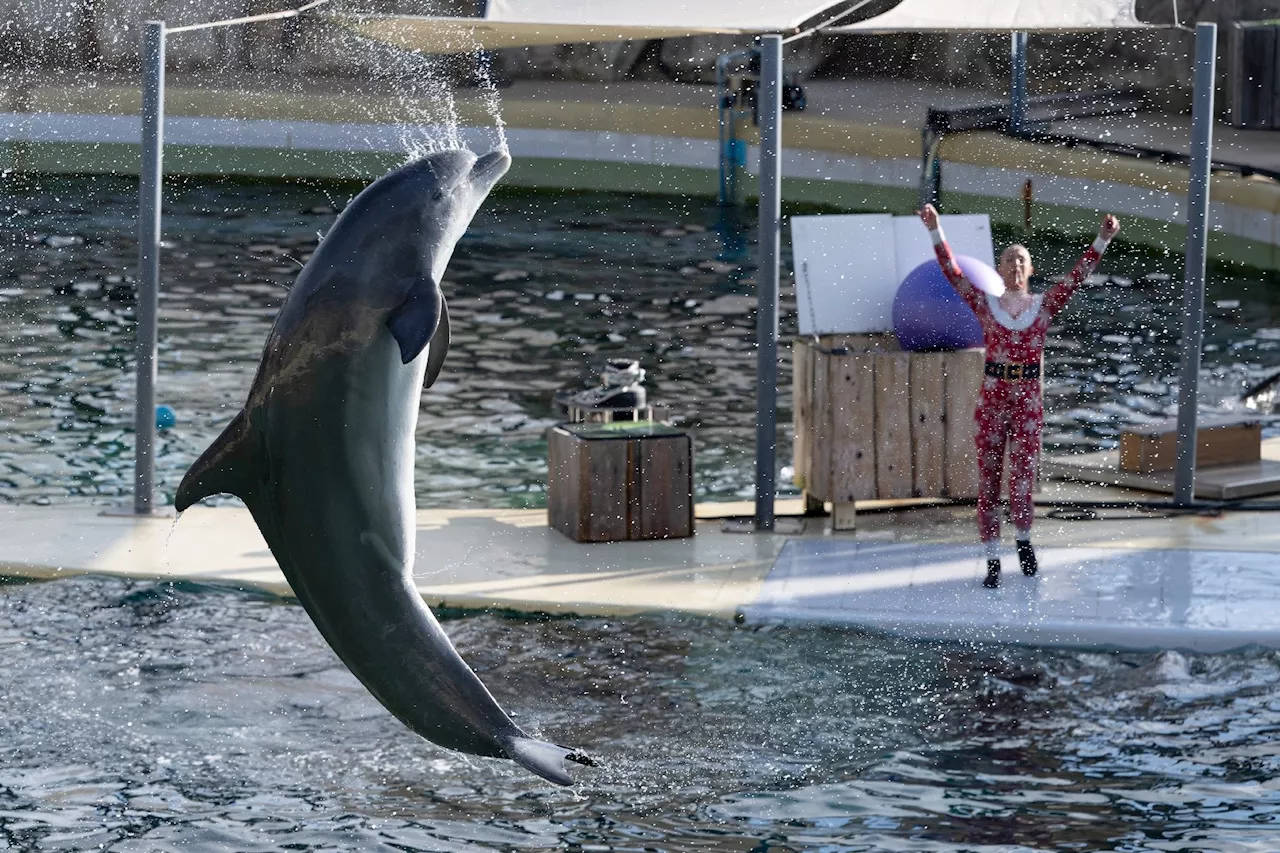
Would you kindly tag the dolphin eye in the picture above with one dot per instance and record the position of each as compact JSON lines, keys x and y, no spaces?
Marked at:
{"x":437,"y":195}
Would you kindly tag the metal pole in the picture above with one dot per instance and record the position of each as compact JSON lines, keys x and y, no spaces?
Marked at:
{"x":723,"y":136}
{"x":770,"y":111}
{"x":149,"y":193}
{"x":1197,"y":238}
{"x":1018,"y":84}
{"x":484,"y":60}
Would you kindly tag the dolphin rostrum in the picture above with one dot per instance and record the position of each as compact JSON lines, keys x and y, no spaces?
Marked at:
{"x":323,"y":451}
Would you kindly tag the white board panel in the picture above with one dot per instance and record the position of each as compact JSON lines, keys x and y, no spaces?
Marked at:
{"x":848,"y":267}
{"x":969,"y":234}
{"x":846,"y":273}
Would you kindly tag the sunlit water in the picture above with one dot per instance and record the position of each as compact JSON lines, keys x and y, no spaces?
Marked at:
{"x":142,"y":717}
{"x":541,"y":290}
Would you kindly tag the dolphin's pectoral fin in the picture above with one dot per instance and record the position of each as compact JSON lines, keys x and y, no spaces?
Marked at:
{"x":225,"y":468}
{"x":414,"y":320}
{"x":545,"y":759}
{"x":439,"y":346}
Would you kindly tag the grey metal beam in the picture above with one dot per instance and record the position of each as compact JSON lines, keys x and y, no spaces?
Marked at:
{"x":1018,"y":83}
{"x":1197,"y":239}
{"x":770,"y":111}
{"x":149,"y":207}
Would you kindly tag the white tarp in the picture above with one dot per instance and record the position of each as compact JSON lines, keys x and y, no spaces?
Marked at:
{"x":522,"y":23}
{"x":464,"y":35}
{"x":759,"y":16}
{"x":848,"y":266}
{"x":999,"y":15}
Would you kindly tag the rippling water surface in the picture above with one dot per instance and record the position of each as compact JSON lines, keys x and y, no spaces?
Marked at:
{"x":541,"y":291}
{"x":143,"y":717}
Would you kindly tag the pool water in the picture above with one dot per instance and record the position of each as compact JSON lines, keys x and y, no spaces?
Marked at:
{"x":153,"y":717}
{"x":541,"y":291}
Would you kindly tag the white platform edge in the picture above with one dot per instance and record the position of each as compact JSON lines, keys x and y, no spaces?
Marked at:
{"x":1047,"y":633}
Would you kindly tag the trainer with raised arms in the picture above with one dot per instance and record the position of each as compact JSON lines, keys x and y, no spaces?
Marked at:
{"x":1011,"y":407}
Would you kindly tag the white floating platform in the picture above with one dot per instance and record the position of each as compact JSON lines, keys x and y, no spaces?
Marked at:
{"x":1205,"y":601}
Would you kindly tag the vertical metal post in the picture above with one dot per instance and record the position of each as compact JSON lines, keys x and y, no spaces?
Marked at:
{"x":1018,"y":84}
{"x":484,"y":59}
{"x":149,"y":201}
{"x":724,"y":134}
{"x":1197,"y":239}
{"x":770,"y":111}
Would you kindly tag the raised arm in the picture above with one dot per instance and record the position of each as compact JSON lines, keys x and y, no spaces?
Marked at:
{"x":947,"y":261}
{"x":1055,"y":298}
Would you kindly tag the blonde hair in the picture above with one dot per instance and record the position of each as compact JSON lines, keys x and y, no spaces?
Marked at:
{"x":1014,"y":247}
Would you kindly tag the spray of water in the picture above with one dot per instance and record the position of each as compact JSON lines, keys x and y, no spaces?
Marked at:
{"x":423,"y":86}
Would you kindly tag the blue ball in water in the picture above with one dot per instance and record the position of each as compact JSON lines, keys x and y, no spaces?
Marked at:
{"x":928,"y":314}
{"x":165,"y":417}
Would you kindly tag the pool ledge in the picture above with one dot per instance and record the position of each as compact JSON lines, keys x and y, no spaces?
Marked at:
{"x":863,"y":153}
{"x":1190,"y":582}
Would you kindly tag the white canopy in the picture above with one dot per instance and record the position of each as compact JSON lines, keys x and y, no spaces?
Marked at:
{"x":520,"y":23}
{"x":999,"y":16}
{"x":755,"y":16}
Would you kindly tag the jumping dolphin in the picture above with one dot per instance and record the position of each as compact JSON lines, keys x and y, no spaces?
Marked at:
{"x":323,"y":451}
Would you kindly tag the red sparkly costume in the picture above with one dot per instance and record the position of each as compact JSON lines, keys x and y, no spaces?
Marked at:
{"x":1011,"y":408}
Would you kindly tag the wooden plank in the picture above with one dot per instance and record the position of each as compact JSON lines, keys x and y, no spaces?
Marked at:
{"x":562,"y":482}
{"x":928,"y":430}
{"x":820,"y":455}
{"x":801,"y":410}
{"x":877,"y":342}
{"x":665,"y":487}
{"x":635,"y":489}
{"x":962,"y":383}
{"x":604,"y":471}
{"x":844,"y":517}
{"x":853,"y":452}
{"x":893,"y":425}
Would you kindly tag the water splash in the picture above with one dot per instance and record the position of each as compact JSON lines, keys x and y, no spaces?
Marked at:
{"x":430,"y":114}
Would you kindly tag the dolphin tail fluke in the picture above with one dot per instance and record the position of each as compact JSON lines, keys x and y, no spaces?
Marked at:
{"x":222,"y":469}
{"x":546,"y":759}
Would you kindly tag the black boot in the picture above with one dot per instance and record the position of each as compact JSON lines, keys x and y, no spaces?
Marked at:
{"x":1027,"y":557}
{"x":993,"y":573}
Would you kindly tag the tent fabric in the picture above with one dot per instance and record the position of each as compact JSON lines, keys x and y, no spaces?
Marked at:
{"x":753,"y":16}
{"x":463,"y":35}
{"x":999,"y":16}
{"x":523,"y":23}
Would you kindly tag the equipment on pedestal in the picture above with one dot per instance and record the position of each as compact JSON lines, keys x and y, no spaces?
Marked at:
{"x":619,"y":397}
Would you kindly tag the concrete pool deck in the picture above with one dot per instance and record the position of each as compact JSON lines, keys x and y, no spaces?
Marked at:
{"x":1129,"y":580}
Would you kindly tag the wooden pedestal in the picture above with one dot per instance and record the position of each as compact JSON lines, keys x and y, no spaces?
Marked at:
{"x":1219,"y":441}
{"x":881,"y":423}
{"x":607,"y":483}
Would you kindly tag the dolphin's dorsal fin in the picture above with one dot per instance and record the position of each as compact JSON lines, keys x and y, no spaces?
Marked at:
{"x":439,"y":346}
{"x":222,"y":469}
{"x":414,"y":321}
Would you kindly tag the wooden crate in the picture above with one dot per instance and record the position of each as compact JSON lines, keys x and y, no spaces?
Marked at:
{"x":608,"y":483}
{"x":881,"y":423}
{"x":1219,"y":441}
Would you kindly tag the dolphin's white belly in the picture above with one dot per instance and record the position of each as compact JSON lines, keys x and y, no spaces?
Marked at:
{"x":380,"y":416}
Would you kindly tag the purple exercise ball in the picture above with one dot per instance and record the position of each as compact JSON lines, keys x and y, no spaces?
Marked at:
{"x":928,"y":314}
